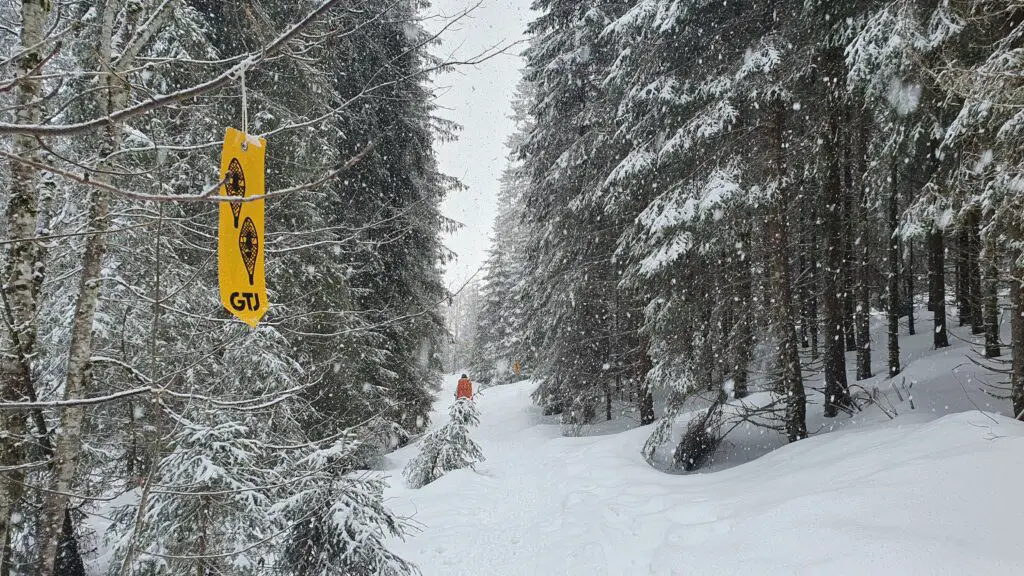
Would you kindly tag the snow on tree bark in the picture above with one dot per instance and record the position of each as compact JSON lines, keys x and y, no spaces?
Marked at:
{"x":69,"y":433}
{"x":22,"y":269}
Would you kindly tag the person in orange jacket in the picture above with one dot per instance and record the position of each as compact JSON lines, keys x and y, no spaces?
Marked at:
{"x":465,"y":388}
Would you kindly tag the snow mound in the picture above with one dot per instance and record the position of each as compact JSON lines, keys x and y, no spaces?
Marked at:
{"x":917,"y":495}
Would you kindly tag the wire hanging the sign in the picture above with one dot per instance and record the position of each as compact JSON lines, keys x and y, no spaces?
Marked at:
{"x":245,"y":112}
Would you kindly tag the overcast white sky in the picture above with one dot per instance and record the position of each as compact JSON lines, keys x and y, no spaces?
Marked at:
{"x":478,"y":98}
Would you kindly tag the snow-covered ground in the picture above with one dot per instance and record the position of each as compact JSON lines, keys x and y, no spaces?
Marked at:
{"x":933,"y":491}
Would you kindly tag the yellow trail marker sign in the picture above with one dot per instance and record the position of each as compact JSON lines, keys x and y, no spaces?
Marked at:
{"x":516,"y":367}
{"x":243,"y":287}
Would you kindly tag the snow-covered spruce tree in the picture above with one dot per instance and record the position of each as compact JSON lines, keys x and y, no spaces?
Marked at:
{"x":772,"y":171}
{"x":697,"y":245}
{"x":501,"y":326}
{"x":329,"y":341}
{"x":390,"y":203}
{"x":446,"y":448}
{"x":334,"y":517}
{"x":908,"y":115}
{"x":666,"y":111}
{"x":578,"y":304}
{"x":204,"y":502}
{"x":502,"y":332}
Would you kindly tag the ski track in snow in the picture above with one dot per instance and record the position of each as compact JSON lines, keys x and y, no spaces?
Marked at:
{"x":930,"y":492}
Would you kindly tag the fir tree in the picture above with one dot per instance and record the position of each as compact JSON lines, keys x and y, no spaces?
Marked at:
{"x":447,"y":448}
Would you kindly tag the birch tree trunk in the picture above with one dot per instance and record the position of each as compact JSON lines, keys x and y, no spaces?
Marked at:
{"x":21,"y":268}
{"x":69,"y":434}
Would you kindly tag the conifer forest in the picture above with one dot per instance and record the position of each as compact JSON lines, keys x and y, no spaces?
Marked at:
{"x":722,"y":227}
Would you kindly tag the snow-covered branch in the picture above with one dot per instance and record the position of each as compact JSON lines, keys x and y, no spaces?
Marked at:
{"x":157,"y":102}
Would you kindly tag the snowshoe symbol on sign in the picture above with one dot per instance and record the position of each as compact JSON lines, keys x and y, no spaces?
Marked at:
{"x":249,"y":246}
{"x":234,"y":185}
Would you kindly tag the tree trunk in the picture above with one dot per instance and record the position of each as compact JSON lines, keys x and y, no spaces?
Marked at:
{"x":778,"y":242}
{"x":849,"y":312}
{"x":892,"y":276}
{"x":849,"y":261}
{"x":1017,"y":338}
{"x":974,"y":272}
{"x":931,"y":273}
{"x":22,"y":270}
{"x":963,"y":298}
{"x":69,"y":557}
{"x":608,"y":403}
{"x":646,"y":397}
{"x":937,"y":275}
{"x":862,"y":246}
{"x":832,"y":290}
{"x":804,"y":298}
{"x":862,"y":315}
{"x":69,"y":437}
{"x":991,"y":301}
{"x":812,"y":289}
{"x":814,"y":325}
{"x":744,"y":334}
{"x":908,"y":278}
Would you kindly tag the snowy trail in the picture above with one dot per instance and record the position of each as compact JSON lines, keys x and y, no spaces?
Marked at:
{"x":918,"y":495}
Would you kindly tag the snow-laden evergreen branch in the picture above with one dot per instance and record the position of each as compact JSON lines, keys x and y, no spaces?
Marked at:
{"x":447,"y":448}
